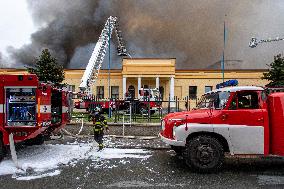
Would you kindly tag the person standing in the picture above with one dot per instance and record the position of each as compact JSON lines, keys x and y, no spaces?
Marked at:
{"x":100,"y":123}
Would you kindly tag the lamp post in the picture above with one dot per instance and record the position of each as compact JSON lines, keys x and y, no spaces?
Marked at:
{"x":109,"y":88}
{"x":223,"y":53}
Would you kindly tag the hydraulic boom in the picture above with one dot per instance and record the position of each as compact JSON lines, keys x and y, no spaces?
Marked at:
{"x":95,"y":62}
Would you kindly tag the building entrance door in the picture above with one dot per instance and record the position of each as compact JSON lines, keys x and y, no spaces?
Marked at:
{"x":131,"y":91}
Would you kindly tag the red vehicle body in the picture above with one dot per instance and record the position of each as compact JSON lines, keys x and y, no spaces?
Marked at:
{"x":235,"y":120}
{"x":26,"y":109}
{"x":147,"y":98}
{"x":61,"y":108}
{"x":22,"y":108}
{"x":103,"y":104}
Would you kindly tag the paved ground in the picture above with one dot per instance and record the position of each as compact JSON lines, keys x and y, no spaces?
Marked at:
{"x":160,"y":169}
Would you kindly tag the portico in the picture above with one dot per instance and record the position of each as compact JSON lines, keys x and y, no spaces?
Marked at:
{"x":149,"y":73}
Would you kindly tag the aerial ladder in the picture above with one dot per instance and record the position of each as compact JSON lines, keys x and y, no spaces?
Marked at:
{"x":94,"y":65}
{"x":254,"y":41}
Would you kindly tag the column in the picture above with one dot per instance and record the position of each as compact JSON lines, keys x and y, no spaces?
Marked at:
{"x":139,"y":86}
{"x":123,"y":87}
{"x":172,"y":90}
{"x":157,"y":82}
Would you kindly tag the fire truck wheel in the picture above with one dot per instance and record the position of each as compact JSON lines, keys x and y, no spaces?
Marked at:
{"x":2,"y":149}
{"x":38,"y":140}
{"x":204,"y":154}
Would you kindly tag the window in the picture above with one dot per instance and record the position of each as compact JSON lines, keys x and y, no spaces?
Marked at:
{"x":114,"y":92}
{"x":192,"y":92}
{"x":131,"y":92}
{"x":245,"y":100}
{"x":208,"y":88}
{"x":72,"y":88}
{"x":233,"y":105}
{"x":248,"y":100}
{"x":100,"y":92}
{"x":216,"y":100}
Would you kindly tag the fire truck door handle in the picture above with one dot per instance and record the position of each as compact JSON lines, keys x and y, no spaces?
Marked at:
{"x":224,"y":117}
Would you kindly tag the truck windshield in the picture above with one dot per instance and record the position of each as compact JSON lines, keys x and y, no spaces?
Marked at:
{"x":217,"y":100}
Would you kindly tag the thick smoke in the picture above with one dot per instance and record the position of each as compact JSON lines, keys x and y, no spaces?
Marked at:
{"x":189,"y":30}
{"x":6,"y":62}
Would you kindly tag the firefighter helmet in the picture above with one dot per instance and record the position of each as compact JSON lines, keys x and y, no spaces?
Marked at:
{"x":97,"y":109}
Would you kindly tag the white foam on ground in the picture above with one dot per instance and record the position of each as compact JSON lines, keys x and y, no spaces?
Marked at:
{"x":44,"y":160}
{"x":56,"y":172}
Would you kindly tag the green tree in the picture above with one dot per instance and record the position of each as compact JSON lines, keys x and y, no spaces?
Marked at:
{"x":47,"y":69}
{"x":276,"y":72}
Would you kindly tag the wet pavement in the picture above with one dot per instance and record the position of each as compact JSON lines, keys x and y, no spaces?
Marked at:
{"x":156,"y":166}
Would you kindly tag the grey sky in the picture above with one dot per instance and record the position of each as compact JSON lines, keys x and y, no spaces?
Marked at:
{"x":15,"y":24}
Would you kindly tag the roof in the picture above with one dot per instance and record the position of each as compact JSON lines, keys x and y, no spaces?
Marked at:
{"x":237,"y":88}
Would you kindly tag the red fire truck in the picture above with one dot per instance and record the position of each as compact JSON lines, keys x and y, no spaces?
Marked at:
{"x":239,"y":120}
{"x":91,"y":103}
{"x":148,"y":98}
{"x":27,"y":109}
{"x":23,"y":109}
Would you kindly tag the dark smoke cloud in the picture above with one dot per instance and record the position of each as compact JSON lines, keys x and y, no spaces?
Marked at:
{"x":189,"y":30}
{"x":6,"y":62}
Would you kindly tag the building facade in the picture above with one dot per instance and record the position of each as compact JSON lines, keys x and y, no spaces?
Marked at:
{"x":157,"y":73}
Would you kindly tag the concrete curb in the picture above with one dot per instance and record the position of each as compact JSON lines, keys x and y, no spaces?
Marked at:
{"x":134,"y":137}
{"x":121,"y":124}
{"x":113,"y":136}
{"x":118,"y":129}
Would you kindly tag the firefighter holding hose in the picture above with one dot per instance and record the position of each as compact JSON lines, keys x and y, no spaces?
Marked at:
{"x":100,"y":123}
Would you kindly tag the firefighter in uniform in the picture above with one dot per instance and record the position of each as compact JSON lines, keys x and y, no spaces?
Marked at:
{"x":100,"y":123}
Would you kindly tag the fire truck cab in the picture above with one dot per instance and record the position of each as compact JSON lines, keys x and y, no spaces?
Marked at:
{"x":149,"y":101}
{"x":239,"y":120}
{"x":24,"y":109}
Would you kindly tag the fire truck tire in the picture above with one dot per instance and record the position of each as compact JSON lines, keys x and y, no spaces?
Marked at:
{"x":38,"y":140}
{"x":204,"y":154}
{"x":2,"y":149}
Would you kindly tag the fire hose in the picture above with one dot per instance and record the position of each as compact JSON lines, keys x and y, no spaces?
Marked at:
{"x":74,"y":135}
{"x":94,"y":143}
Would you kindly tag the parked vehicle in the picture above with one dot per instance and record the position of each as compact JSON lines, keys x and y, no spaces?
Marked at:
{"x":239,"y":120}
{"x":149,"y":100}
{"x":26,"y":107}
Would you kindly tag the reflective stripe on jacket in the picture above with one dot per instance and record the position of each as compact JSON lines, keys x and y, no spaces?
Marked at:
{"x":105,"y":124}
{"x":98,"y":127}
